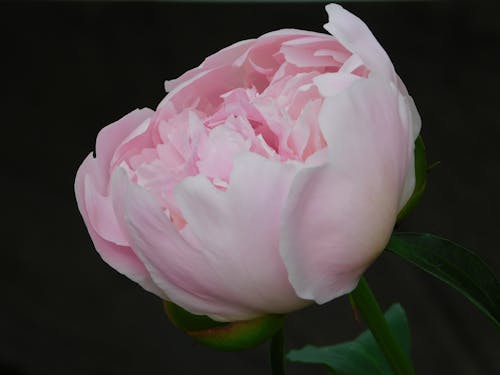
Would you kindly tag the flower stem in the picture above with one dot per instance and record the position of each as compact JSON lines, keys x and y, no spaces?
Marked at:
{"x":277,"y":353}
{"x":367,"y":305}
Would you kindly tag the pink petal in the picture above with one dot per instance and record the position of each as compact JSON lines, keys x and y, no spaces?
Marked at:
{"x":203,"y":91}
{"x":330,"y":84}
{"x":110,"y":137}
{"x":320,"y":50}
{"x":351,"y":64}
{"x":219,"y":150}
{"x":409,"y":114}
{"x":289,"y":34}
{"x":225,"y":56}
{"x":101,"y":216}
{"x":339,"y":216}
{"x":186,"y":275}
{"x":240,"y":229}
{"x":121,"y":258}
{"x":263,"y":49}
{"x":355,"y":35}
{"x":303,"y":57}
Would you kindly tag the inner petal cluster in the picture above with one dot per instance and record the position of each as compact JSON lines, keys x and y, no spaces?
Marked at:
{"x":272,"y":111}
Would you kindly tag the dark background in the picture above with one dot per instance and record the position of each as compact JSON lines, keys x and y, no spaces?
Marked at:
{"x":69,"y":69}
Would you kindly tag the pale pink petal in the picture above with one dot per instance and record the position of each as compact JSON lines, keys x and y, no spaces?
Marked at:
{"x":263,"y":59}
{"x":110,"y":137}
{"x":339,"y":55}
{"x":170,"y":156}
{"x":240,"y":229}
{"x":146,"y":155}
{"x":224,"y":57}
{"x":257,"y":143}
{"x":260,"y":62}
{"x":288,"y":34}
{"x":305,"y":134}
{"x":204,"y":90}
{"x":408,"y":112}
{"x":183,"y":132}
{"x":217,"y":154}
{"x":355,"y":35}
{"x":303,"y":57}
{"x":313,"y":40}
{"x":140,"y":139}
{"x":267,"y":45}
{"x":301,"y":131}
{"x":320,"y":50}
{"x":101,"y":216}
{"x":237,"y":102}
{"x":321,"y":45}
{"x":293,"y":92}
{"x":121,"y":258}
{"x":351,"y":64}
{"x":416,"y":122}
{"x":339,"y":216}
{"x":330,"y":84}
{"x":186,"y":275}
{"x":318,"y":158}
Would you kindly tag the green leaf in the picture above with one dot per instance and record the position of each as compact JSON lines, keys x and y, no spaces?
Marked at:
{"x":361,"y":356}
{"x":453,"y":264}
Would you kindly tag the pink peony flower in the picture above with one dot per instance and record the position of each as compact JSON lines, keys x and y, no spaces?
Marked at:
{"x":269,"y":177}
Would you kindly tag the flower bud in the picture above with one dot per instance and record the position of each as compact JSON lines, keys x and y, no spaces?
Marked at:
{"x":268,"y":178}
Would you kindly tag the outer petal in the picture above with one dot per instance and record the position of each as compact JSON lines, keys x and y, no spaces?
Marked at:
{"x":316,"y":51}
{"x":355,"y":35}
{"x":243,"y":64}
{"x":410,"y":115}
{"x":187,"y":275}
{"x":225,"y":56}
{"x":100,"y":214}
{"x":121,"y":257}
{"x":110,"y":137}
{"x":330,"y":84}
{"x":339,"y":216}
{"x":203,"y":90}
{"x":241,"y":227}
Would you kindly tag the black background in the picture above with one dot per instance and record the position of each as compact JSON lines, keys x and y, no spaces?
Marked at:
{"x":69,"y":69}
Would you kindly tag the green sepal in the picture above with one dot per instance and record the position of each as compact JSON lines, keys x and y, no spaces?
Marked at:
{"x":420,"y":178}
{"x":225,"y":336}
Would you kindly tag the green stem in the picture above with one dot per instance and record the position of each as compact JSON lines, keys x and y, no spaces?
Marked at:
{"x":278,"y":353}
{"x":367,"y":305}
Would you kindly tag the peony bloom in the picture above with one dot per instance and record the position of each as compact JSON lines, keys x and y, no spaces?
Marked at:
{"x":269,"y":177}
